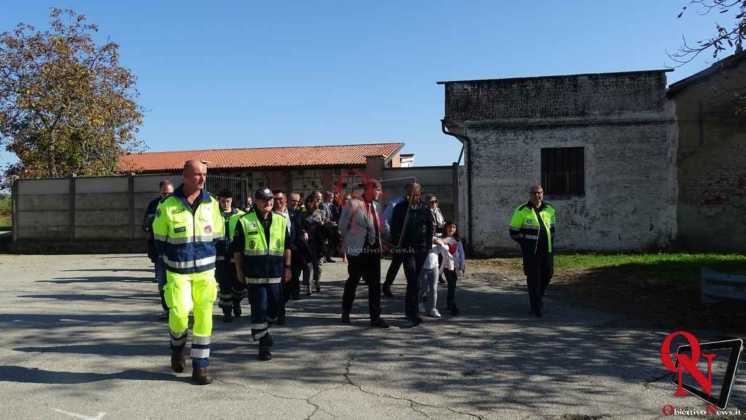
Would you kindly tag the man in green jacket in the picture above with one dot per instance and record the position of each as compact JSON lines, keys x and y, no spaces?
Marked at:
{"x":532,"y":226}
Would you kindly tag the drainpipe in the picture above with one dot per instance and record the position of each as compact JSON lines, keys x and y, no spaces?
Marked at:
{"x":466,"y":145}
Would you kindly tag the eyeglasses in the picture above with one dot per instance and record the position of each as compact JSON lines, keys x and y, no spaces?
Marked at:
{"x":433,"y":201}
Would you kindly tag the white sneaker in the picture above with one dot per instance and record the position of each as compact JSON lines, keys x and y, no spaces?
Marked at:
{"x":422,"y":308}
{"x":434,"y":314}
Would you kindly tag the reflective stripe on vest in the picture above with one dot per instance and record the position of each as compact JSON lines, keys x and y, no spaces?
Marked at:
{"x":263,"y":280}
{"x":188,"y":264}
{"x":188,"y":238}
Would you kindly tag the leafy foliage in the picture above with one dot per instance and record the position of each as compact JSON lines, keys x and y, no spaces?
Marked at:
{"x":66,"y":105}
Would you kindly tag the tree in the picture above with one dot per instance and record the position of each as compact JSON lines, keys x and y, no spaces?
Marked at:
{"x":66,"y":105}
{"x":726,"y":37}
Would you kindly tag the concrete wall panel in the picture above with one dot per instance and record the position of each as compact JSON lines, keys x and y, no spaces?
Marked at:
{"x":435,"y":180}
{"x":43,"y":186}
{"x":31,"y":231}
{"x":149,"y":183}
{"x":102,"y":232}
{"x":102,"y":185}
{"x":43,"y":202}
{"x":102,"y":201}
{"x":44,"y":218}
{"x":85,"y":218}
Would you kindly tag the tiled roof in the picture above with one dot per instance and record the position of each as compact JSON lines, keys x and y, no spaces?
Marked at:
{"x":725,"y":63}
{"x":266,"y":157}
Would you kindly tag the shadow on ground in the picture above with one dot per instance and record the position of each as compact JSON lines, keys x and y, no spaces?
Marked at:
{"x":667,"y":294}
{"x":495,"y":355}
{"x":41,"y":376}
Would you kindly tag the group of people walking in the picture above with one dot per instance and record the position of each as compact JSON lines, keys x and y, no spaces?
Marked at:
{"x":272,"y":253}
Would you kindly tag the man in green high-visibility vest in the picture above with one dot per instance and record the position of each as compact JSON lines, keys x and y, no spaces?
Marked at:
{"x":261,"y":253}
{"x":186,"y":228}
{"x":532,"y":226}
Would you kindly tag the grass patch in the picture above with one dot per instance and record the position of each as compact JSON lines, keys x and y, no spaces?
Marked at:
{"x":5,"y":222}
{"x":6,"y":206}
{"x":664,"y":266}
{"x":663,"y":288}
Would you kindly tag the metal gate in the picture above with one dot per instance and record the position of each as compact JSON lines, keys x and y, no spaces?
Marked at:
{"x":239,"y":187}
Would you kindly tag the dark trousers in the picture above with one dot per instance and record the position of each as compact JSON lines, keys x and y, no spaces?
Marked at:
{"x":539,"y":269}
{"x":396,"y":262}
{"x":451,"y":278}
{"x":368,"y":267}
{"x":231,"y":291}
{"x":311,"y":266}
{"x":412,"y":266}
{"x":291,"y":289}
{"x":265,"y":305}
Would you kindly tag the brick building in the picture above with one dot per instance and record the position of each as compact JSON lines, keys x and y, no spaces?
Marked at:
{"x":603,"y":146}
{"x":710,"y":108}
{"x":303,"y":169}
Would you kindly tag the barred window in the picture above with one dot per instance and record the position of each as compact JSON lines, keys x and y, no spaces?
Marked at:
{"x":563,"y":171}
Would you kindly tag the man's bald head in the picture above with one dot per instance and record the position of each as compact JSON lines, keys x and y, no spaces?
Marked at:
{"x":414,"y":192}
{"x":195,"y":174}
{"x":536,"y":195}
{"x":194,"y":165}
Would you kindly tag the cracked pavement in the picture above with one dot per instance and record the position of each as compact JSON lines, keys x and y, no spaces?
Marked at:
{"x":82,"y":340}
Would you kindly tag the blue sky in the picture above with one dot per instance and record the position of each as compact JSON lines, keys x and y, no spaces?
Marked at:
{"x":248,"y":74}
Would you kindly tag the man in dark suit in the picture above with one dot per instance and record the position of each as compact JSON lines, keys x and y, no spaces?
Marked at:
{"x":412,"y":233}
{"x":360,"y":228}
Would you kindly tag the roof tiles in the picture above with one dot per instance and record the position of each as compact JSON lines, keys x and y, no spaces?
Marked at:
{"x":266,"y":157}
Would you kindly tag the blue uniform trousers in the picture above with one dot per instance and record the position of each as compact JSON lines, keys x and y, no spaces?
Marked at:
{"x":265,"y":301}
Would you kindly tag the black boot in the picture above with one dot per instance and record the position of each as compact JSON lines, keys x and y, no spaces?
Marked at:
{"x":200,"y":376}
{"x":264,"y":354}
{"x":227,"y":315}
{"x":177,"y":359}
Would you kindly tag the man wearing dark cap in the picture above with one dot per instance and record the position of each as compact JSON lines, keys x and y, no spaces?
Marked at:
{"x":231,"y":292}
{"x":262,"y":257}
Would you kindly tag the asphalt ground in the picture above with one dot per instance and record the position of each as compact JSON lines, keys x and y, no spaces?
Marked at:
{"x":81,"y":339}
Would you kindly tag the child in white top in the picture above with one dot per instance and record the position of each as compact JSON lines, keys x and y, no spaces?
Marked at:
{"x":454,"y":263}
{"x":429,"y":280}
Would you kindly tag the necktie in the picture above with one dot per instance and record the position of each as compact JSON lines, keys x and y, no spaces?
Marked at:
{"x":374,"y":218}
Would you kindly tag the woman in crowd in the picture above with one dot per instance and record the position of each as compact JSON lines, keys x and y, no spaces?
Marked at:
{"x":313,"y":229}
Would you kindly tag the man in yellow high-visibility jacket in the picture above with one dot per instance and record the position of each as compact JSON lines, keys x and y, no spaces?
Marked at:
{"x":532,"y":226}
{"x":262,"y":257}
{"x":186,"y":227}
